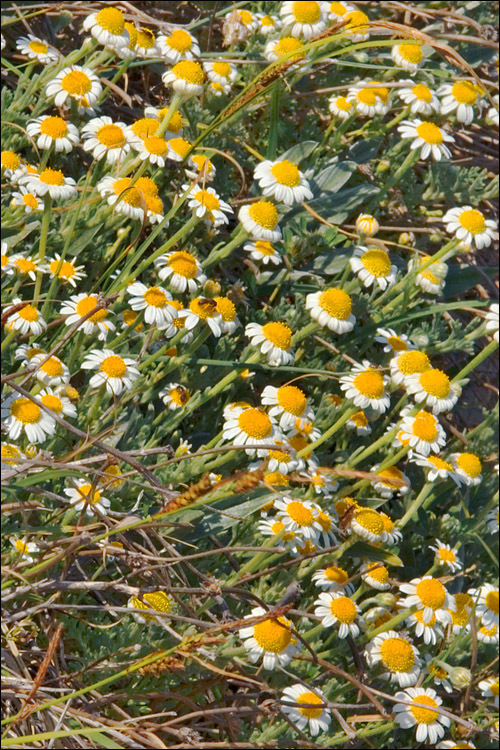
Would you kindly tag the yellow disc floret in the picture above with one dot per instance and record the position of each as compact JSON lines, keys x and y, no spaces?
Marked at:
{"x":397,"y":654}
{"x":278,"y":334}
{"x":272,"y":636}
{"x":377,"y":262}
{"x":336,"y":302}
{"x":370,"y":383}
{"x":286,"y":173}
{"x":255,"y":423}
{"x":431,"y":592}
{"x":435,"y":383}
{"x":291,"y":399}
{"x":429,"y":133}
{"x":25,"y":411}
{"x":114,"y":367}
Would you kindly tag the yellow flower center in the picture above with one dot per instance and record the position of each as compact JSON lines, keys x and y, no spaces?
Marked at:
{"x":203,"y":307}
{"x":286,"y":45}
{"x":291,"y":399}
{"x":267,"y":21}
{"x":147,"y":186}
{"x":175,"y":123}
{"x":25,"y":265}
{"x":341,"y":506}
{"x":412,"y":53}
{"x":370,"y":383}
{"x":179,"y":395}
{"x":52,"y":177}
{"x":143,"y":128}
{"x":155,"y":297}
{"x":10,"y":160}
{"x":380,"y":574}
{"x":111,"y":136}
{"x":277,"y":479}
{"x":226,"y":308}
{"x":28,"y":313}
{"x":209,"y":200}
{"x":37,"y":47}
{"x":54,"y":127}
{"x":308,"y":697}
{"x":158,"y":601}
{"x":397,"y":654}
{"x":446,"y":555}
{"x":280,"y":456}
{"x":30,"y":200}
{"x":357,"y":22}
{"x":222,"y":69}
{"x":298,"y":443}
{"x":431,"y":593}
{"x":419,"y":614}
{"x":359,"y":419}
{"x":322,"y":518}
{"x":435,"y":383}
{"x":66,"y":271}
{"x":422,"y":93}
{"x":343,"y":104}
{"x":367,"y":96}
{"x":473,"y":221}
{"x":132,"y":32}
{"x":53,"y":367}
{"x":180,"y":40}
{"x":491,"y":601}
{"x":424,"y":715}
{"x":494,"y":688}
{"x":271,"y":636}
{"x":377,"y":262}
{"x":343,"y":609}
{"x":245,"y":16}
{"x":469,"y":463}
{"x":338,"y":8}
{"x":439,"y":463}
{"x":114,"y":367}
{"x":111,"y":19}
{"x":391,"y":473}
{"x":334,"y":400}
{"x":189,"y":71}
{"x":488,"y":631}
{"x":255,"y":423}
{"x":299,"y":513}
{"x":10,"y":451}
{"x":278,"y":334}
{"x":86,"y":305}
{"x":425,"y":427}
{"x":397,"y":344}
{"x":76,"y":83}
{"x":180,"y":146}
{"x":264,"y":214}
{"x":145,"y":38}
{"x":21,"y":547}
{"x":129,"y":316}
{"x":429,"y":133}
{"x":130,"y":195}
{"x":155,"y":145}
{"x":306,"y":12}
{"x":464,"y":92}
{"x":33,"y":352}
{"x":25,"y":411}
{"x":286,"y":173}
{"x":336,"y":574}
{"x":336,"y":302}
{"x":370,"y":520}
{"x":264,"y":248}
{"x":52,"y":402}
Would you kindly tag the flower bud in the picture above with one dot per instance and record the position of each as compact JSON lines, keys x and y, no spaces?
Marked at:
{"x":460,"y":677}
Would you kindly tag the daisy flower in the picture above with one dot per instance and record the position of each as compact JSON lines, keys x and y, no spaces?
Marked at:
{"x":468,"y":467}
{"x":492,"y":323}
{"x":154,"y":301}
{"x":391,"y":535}
{"x":53,"y":131}
{"x":11,"y":164}
{"x":357,"y":26}
{"x":108,"y":27}
{"x":115,"y":372}
{"x":127,"y":200}
{"x":158,"y":601}
{"x":340,"y":107}
{"x":308,"y":708}
{"x":246,"y":425}
{"x":263,"y":251}
{"x":274,"y":339}
{"x":335,"y":607}
{"x":200,"y":168}
{"x":186,"y":77}
{"x":333,"y":578}
{"x":175,"y":124}
{"x":432,"y":278}
{"x":260,"y":220}
{"x":144,"y":127}
{"x":206,"y":201}
{"x":25,"y":266}
{"x":367,"y":225}
{"x":493,"y":115}
{"x":365,"y":386}
{"x":25,"y":353}
{"x":301,"y":517}
{"x":65,"y":270}
{"x":489,"y":688}
{"x":370,"y":98}
{"x":337,"y":11}
{"x":429,"y":594}
{"x":492,"y":521}
{"x":437,"y":468}
{"x":106,"y":139}
{"x":332,"y":308}
{"x":274,"y":527}
{"x":177,"y":45}
{"x":288,"y":403}
{"x":219,"y":71}
{"x":153,"y":149}
{"x":428,"y":137}
{"x":460,"y":98}
{"x":373,"y":266}
{"x":433,"y":388}
{"x":430,"y":725}
{"x":306,"y":19}
{"x":470,"y":225}
{"x":282,"y":180}
{"x":11,"y":456}
{"x":268,"y":24}
{"x":392,"y":342}
{"x":387,"y":489}
{"x":76,"y":83}
{"x":430,"y":631}
{"x":28,"y":200}
{"x":56,"y":401}
{"x":36,"y":49}
{"x":283,"y":461}
{"x":457,"y":744}
{"x":276,"y":48}
{"x":423,"y":433}
{"x":322,"y":484}
{"x":52,"y":372}
{"x":128,"y":51}
{"x":487,"y":604}
{"x":145,"y":45}
{"x":359,"y":422}
{"x":174,"y":396}
{"x":488,"y":635}
{"x":446,"y":555}
{"x":178,"y":148}
{"x":421,"y":99}
{"x":397,"y":656}
{"x":203,"y":309}
{"x":270,"y":640}
{"x":367,"y":524}
{"x":21,"y":414}
{"x":229,"y":322}
{"x":243,"y":23}
{"x":26,"y":320}
{"x":218,"y":89}
{"x":50,"y":182}
{"x":375,"y":575}
{"x":405,"y":364}
{"x":23,"y":548}
{"x":78,"y":306}
{"x":83,"y":498}
{"x":407,"y":55}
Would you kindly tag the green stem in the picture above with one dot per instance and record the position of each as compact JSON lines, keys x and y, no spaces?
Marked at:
{"x":272,"y":142}
{"x":47,"y":208}
{"x":328,"y":434}
{"x":410,"y":160}
{"x":176,"y":102}
{"x":476,"y":361}
{"x":8,"y":338}
{"x":416,"y":504}
{"x":216,"y":255}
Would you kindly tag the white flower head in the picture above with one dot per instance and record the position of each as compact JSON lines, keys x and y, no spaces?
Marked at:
{"x":50,"y":182}
{"x":332,"y":309}
{"x":186,"y":77}
{"x":308,"y":708}
{"x":470,"y":225}
{"x":373,"y":266}
{"x":282,"y":180}
{"x":429,"y":594}
{"x":107,"y":139}
{"x":335,"y":607}
{"x":260,"y":220}
{"x":37,"y":49}
{"x":407,"y":55}
{"x":251,"y":427}
{"x":53,"y":130}
{"x":397,"y":656}
{"x":421,"y":98}
{"x":108,"y":27}
{"x":86,"y":497}
{"x":303,"y":19}
{"x":430,"y":725}
{"x":75,"y":82}
{"x":428,"y":137}
{"x":178,"y":45}
{"x":22,"y":414}
{"x":365,"y":386}
{"x":270,"y":640}
{"x":80,"y":305}
{"x":115,"y":372}
{"x":24,"y":318}
{"x":154,"y":301}
{"x":433,"y":388}
{"x":459,"y":97}
{"x":274,"y":340}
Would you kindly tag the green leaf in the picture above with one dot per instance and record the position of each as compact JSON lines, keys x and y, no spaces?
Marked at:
{"x":333,"y":177}
{"x":331,"y":263}
{"x":338,"y":206}
{"x":299,"y":151}
{"x":462,"y":278}
{"x":45,"y":476}
{"x":363,"y":549}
